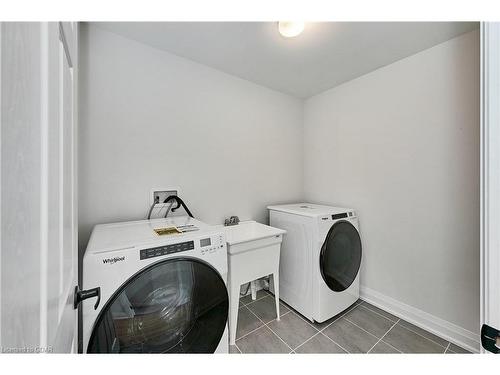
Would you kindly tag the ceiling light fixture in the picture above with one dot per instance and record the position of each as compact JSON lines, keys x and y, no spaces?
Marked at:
{"x":290,"y":29}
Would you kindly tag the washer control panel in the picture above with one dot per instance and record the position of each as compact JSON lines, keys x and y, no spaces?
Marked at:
{"x":167,"y":249}
{"x":202,"y":244}
{"x":209,"y":245}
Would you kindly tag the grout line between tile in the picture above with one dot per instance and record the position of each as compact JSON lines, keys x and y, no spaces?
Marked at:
{"x":308,"y":322}
{"x":320,"y":331}
{"x":263,"y":324}
{"x":269,"y":328}
{"x":375,"y":312}
{"x":252,"y":331}
{"x":310,"y":338}
{"x":238,"y":347}
{"x":281,"y":314}
{"x":305,"y":320}
{"x":278,"y":336}
{"x":252,"y":301}
{"x":447,"y":347}
{"x":431,"y":340}
{"x":246,"y":334}
{"x":371,"y":334}
{"x":384,"y":336}
{"x":409,"y":329}
{"x":341,"y":316}
{"x":392,"y":346}
{"x":349,"y":309}
{"x":336,"y":343}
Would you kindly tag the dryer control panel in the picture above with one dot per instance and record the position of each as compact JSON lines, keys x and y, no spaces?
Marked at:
{"x":325,"y":222}
{"x":342,"y":215}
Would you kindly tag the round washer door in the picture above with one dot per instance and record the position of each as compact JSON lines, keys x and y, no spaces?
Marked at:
{"x":179,"y":305}
{"x":340,"y":256}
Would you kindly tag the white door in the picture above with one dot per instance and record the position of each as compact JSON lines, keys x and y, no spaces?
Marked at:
{"x":490,"y":187}
{"x":38,"y":225}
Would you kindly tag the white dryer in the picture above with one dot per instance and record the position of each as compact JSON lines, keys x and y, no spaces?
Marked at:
{"x":320,"y":258}
{"x":161,"y":290}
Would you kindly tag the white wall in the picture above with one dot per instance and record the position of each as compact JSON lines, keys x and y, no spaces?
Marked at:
{"x":151,"y":119}
{"x":401,"y":145}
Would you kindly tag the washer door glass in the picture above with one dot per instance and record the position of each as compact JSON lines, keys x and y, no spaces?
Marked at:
{"x":178,"y":305}
{"x":340,"y":256}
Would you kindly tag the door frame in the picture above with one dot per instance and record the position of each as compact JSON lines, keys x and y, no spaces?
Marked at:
{"x":49,"y":264}
{"x":490,"y":175}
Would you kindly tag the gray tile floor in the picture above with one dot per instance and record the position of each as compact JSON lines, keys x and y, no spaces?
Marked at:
{"x":363,"y":328}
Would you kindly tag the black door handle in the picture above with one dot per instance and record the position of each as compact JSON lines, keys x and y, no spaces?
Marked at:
{"x":81,"y":295}
{"x":490,"y":339}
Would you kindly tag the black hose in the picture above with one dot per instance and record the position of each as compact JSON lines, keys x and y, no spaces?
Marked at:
{"x":180,"y":203}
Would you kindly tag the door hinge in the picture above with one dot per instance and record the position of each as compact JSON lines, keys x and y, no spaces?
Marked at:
{"x":81,"y":295}
{"x":490,"y":339}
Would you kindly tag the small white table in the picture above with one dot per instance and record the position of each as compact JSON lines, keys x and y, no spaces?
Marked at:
{"x":253,"y":251}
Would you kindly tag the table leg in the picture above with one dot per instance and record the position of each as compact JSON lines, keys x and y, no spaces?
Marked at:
{"x":276,"y":288}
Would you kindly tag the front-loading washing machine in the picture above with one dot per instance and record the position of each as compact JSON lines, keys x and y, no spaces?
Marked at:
{"x":160,"y":286}
{"x":320,"y":258}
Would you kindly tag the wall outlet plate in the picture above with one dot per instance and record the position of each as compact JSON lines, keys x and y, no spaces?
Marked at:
{"x":160,"y":195}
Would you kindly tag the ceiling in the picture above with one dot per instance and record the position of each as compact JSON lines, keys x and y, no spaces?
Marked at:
{"x":325,"y":55}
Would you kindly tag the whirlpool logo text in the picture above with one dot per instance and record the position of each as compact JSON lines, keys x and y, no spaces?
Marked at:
{"x":113,"y":260}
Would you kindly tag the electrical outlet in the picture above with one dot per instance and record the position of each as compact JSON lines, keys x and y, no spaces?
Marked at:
{"x":159,"y":195}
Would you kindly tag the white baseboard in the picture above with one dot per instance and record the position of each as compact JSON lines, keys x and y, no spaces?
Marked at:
{"x":440,"y":327}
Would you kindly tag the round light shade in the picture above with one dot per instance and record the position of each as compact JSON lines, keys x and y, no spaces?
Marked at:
{"x":290,"y":29}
